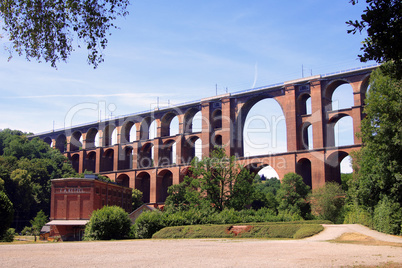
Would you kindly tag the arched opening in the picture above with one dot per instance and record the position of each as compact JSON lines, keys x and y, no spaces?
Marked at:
{"x":303,"y":168}
{"x":107,"y":160}
{"x":48,"y":140}
{"x":123,"y":180}
{"x":333,"y":166}
{"x":217,"y":142}
{"x":217,"y":119}
{"x":126,"y":159}
{"x":61,"y":143}
{"x":343,"y":131}
{"x":164,"y":180}
{"x":108,"y":135}
{"x":90,"y":162}
{"x":268,"y":172}
{"x":146,"y":156}
{"x":264,"y":129}
{"x":133,"y":134}
{"x":174,"y":126}
{"x":143,"y":183}
{"x":168,"y":153}
{"x":189,"y":120}
{"x":114,"y":137}
{"x":304,"y":104}
{"x":128,"y":132}
{"x":196,"y":123}
{"x":75,"y":162}
{"x":92,"y":138}
{"x":307,"y":136}
{"x":148,"y":128}
{"x":340,"y":94}
{"x":340,"y":131}
{"x":169,"y":125}
{"x":346,"y":165}
{"x":192,"y":148}
{"x":76,"y":141}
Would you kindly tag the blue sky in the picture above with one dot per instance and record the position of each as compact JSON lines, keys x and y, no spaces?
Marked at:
{"x":179,"y":51}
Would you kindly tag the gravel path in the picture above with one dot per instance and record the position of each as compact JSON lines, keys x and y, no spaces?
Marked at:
{"x":311,"y":252}
{"x":333,"y":231}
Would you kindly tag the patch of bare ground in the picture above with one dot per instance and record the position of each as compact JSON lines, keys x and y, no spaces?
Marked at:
{"x":361,"y":239}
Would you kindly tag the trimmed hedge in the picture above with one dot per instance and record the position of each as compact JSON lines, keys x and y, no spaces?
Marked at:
{"x":288,"y":230}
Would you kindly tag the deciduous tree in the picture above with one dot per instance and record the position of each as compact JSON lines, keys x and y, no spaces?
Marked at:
{"x":6,"y":213}
{"x":327,"y":202}
{"x":378,"y":165}
{"x":215,"y":181}
{"x":38,"y":222}
{"x":292,"y":195}
{"x":47,"y":29}
{"x":382,"y":19}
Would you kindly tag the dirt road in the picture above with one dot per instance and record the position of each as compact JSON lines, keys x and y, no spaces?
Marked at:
{"x":311,"y":252}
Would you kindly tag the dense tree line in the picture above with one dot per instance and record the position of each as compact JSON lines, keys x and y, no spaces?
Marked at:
{"x":375,"y":192}
{"x":26,"y":168}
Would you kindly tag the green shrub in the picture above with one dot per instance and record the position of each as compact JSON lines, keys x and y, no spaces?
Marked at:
{"x":9,"y":235}
{"x":27,"y":230}
{"x":148,"y":223}
{"x":109,"y":222}
{"x":387,"y":217}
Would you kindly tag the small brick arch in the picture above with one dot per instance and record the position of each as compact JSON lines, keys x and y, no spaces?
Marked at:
{"x":303,"y":168}
{"x":107,"y":160}
{"x":143,"y":183}
{"x":61,"y":143}
{"x":302,"y":103}
{"x":90,"y":161}
{"x":123,"y":180}
{"x":48,"y":140}
{"x":333,"y":168}
{"x":75,"y":161}
{"x":164,"y":181}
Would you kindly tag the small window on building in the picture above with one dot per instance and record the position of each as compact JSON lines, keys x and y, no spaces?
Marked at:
{"x":97,"y":190}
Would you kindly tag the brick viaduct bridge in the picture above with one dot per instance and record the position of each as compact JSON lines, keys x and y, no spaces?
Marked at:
{"x":152,"y":164}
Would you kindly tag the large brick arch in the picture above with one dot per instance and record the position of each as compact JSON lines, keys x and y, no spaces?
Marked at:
{"x":244,"y":108}
{"x":223,"y":119}
{"x":125,"y":131}
{"x":165,"y":123}
{"x":188,"y":119}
